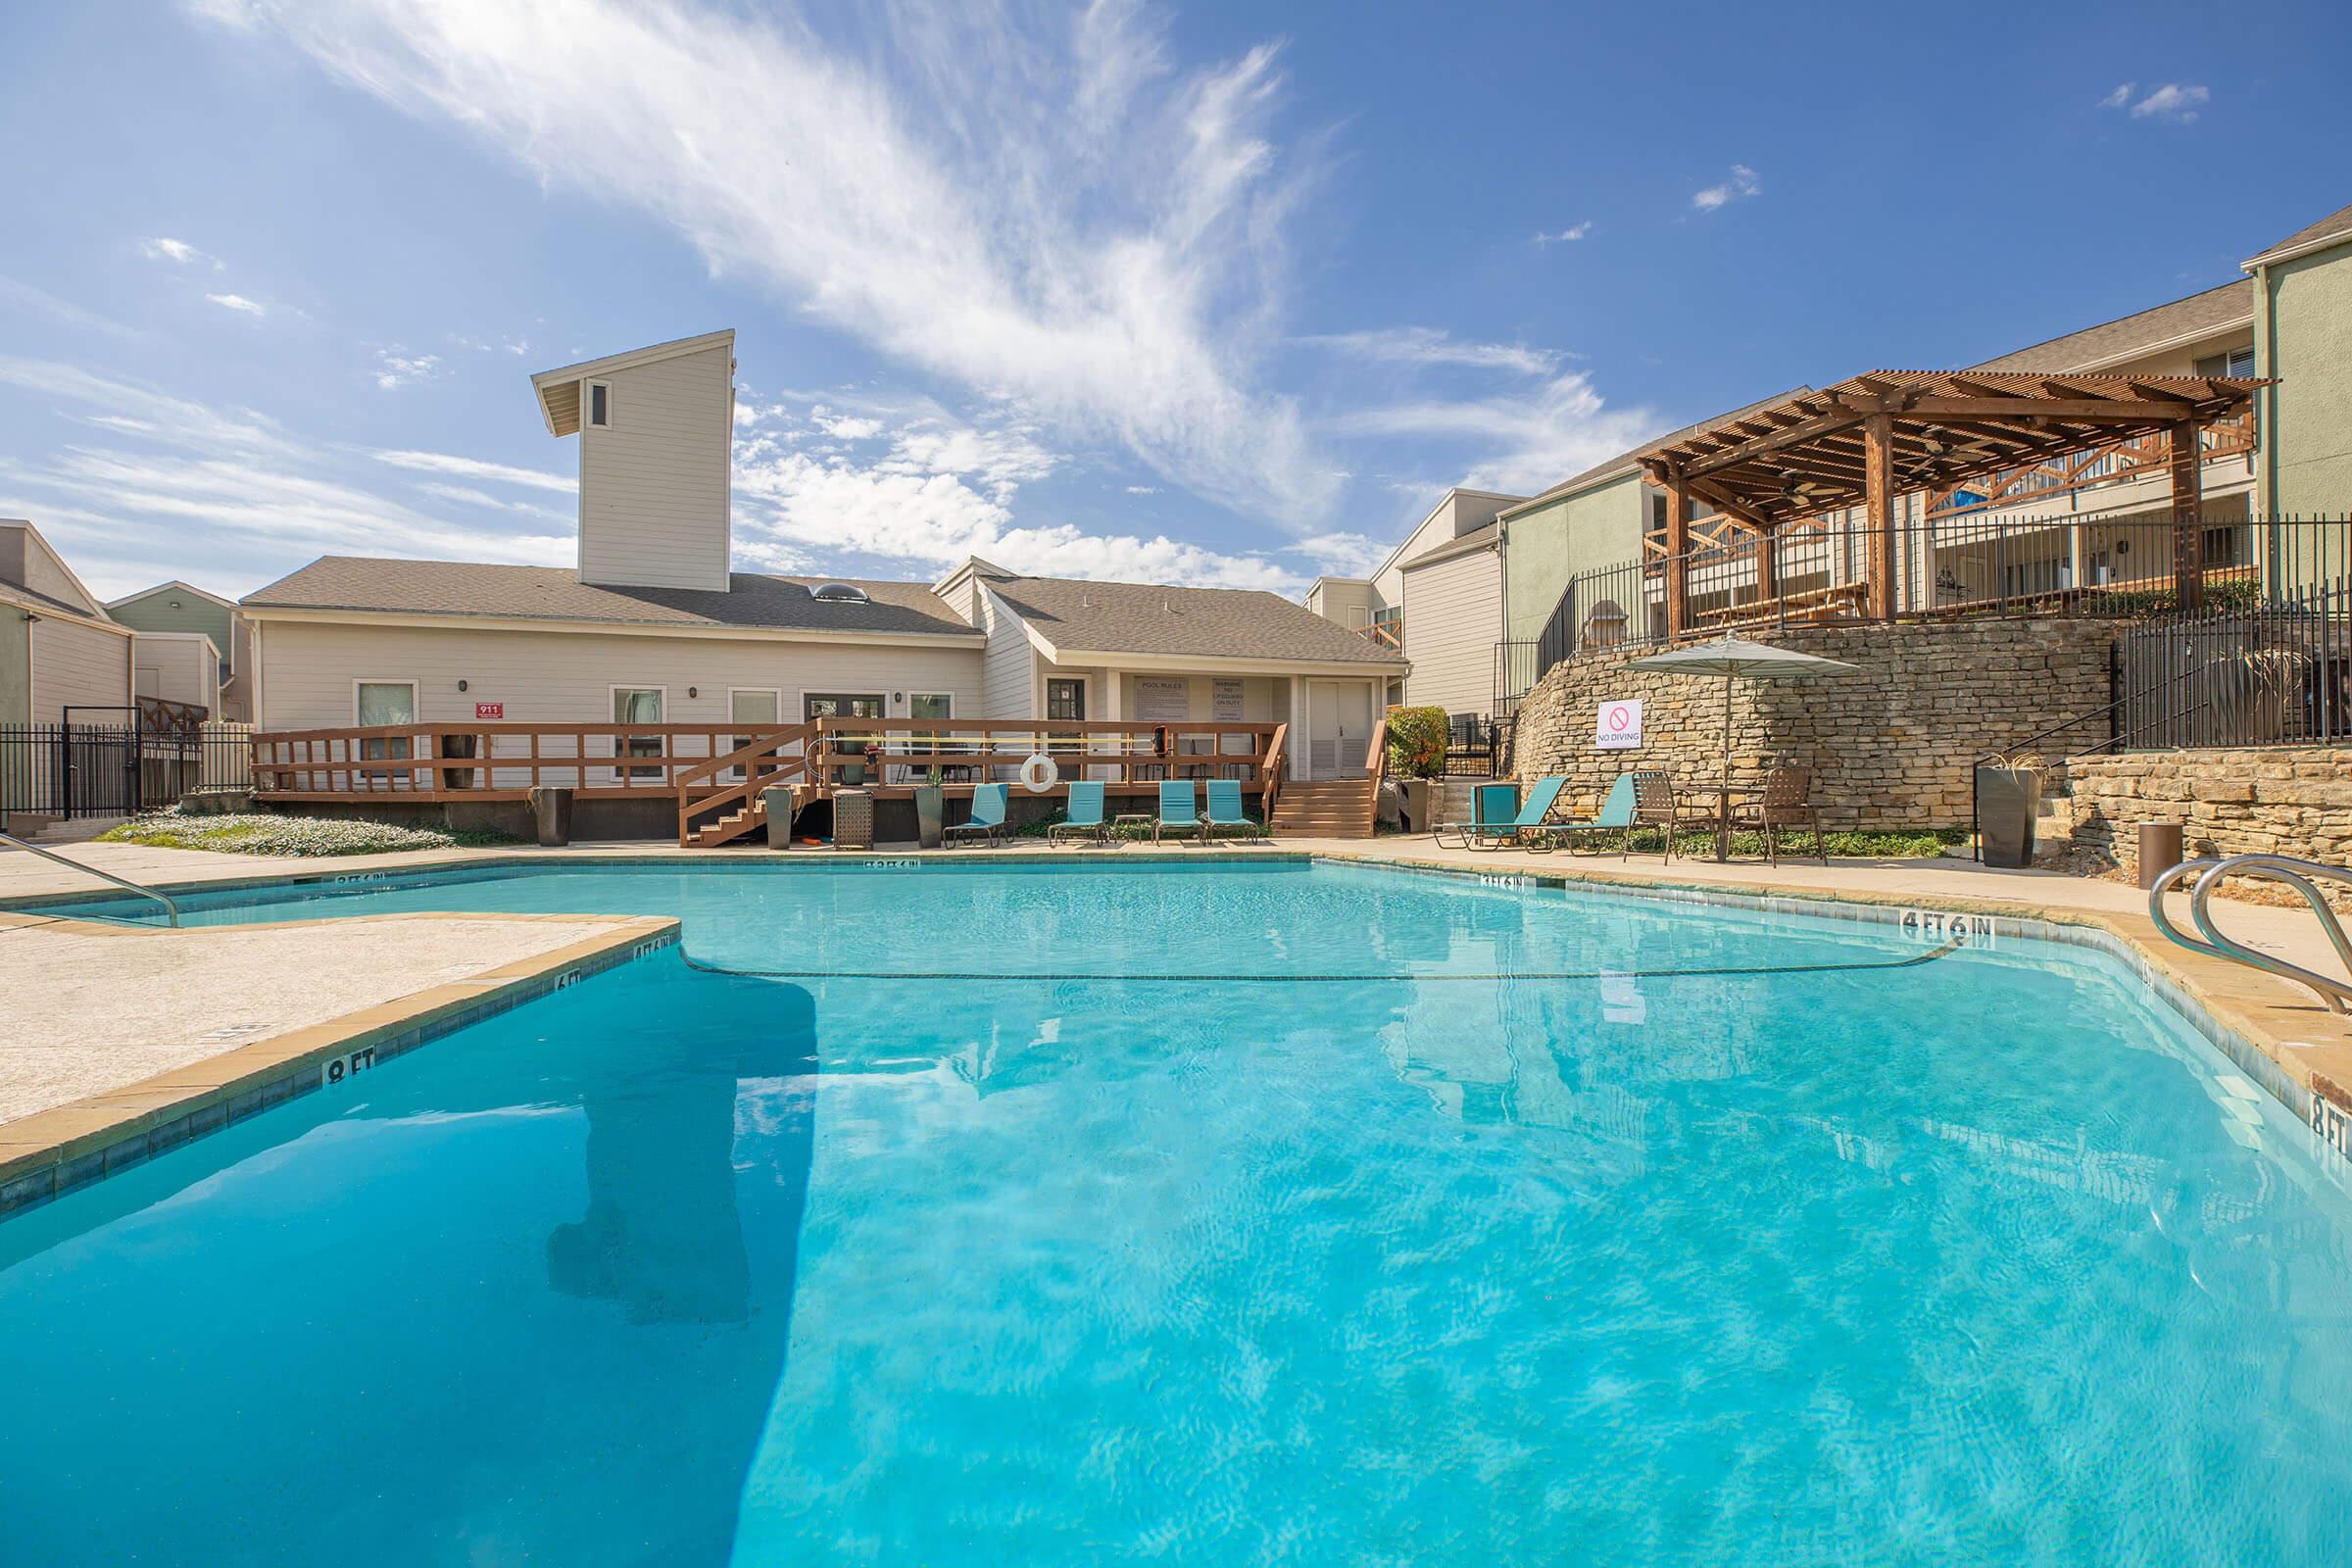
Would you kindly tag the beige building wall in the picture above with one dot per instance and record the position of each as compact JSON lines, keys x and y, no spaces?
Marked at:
{"x":654,"y":483}
{"x":309,"y":673}
{"x":79,"y":666}
{"x":181,"y":668}
{"x":1452,"y":620}
{"x":2304,"y":308}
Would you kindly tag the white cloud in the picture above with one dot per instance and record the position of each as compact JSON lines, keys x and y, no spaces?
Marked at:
{"x":1344,"y":555}
{"x":24,"y":296}
{"x":1742,"y":183}
{"x":126,"y":405}
{"x":466,"y":495}
{"x":477,"y":469}
{"x":1142,"y":489}
{"x":943,"y":491}
{"x":178,"y":252}
{"x":1426,"y":345}
{"x":845,"y":426}
{"x":1052,"y":215}
{"x":505,"y":345}
{"x":239,"y":302}
{"x":396,"y":370}
{"x":1527,"y":443}
{"x":2118,"y":98}
{"x":1567,"y":236}
{"x":2173,"y":101}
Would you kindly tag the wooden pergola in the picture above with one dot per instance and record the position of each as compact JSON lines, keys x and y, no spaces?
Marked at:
{"x":1866,"y":441}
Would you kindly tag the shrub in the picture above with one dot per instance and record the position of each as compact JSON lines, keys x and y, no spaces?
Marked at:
{"x":262,"y":833}
{"x":1417,"y":742}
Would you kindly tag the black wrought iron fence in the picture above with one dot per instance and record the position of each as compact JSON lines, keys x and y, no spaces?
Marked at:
{"x":2275,"y":672}
{"x":87,"y":771}
{"x":1476,"y":747}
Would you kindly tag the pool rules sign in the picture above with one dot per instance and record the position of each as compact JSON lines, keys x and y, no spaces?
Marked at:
{"x":1617,"y":724}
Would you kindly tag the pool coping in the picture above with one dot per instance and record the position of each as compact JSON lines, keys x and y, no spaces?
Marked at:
{"x":2247,"y":1017}
{"x":59,"y":1151}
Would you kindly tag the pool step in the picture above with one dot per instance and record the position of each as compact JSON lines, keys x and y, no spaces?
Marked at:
{"x":1326,"y":808}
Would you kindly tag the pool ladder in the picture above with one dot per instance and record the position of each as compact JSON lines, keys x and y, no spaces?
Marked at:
{"x":170,"y":910}
{"x":2296,"y":874}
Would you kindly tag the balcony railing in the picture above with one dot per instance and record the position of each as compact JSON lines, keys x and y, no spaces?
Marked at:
{"x":1390,"y":634}
{"x":2142,"y":458}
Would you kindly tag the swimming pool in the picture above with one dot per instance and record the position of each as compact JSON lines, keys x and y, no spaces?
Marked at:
{"x":1208,"y":1213}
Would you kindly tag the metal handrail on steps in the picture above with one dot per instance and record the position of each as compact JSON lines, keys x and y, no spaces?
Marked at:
{"x":165,"y":898}
{"x":2296,"y":874}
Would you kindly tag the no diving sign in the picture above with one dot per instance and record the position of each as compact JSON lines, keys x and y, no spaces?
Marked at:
{"x":1617,"y":726}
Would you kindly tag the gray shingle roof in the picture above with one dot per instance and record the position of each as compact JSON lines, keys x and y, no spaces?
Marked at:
{"x":1126,"y":618}
{"x":2336,"y":222}
{"x":758,"y":603}
{"x":2211,"y":311}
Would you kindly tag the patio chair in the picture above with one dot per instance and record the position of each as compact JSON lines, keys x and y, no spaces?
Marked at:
{"x":1616,"y":816}
{"x":987,"y":822}
{"x":1083,"y":820}
{"x":1495,"y":835}
{"x":1656,"y":806}
{"x":1491,"y":805}
{"x":1788,"y":801}
{"x":1178,"y":809}
{"x":1225,"y":814}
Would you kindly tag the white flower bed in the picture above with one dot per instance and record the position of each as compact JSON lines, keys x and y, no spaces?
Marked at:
{"x":255,"y":833}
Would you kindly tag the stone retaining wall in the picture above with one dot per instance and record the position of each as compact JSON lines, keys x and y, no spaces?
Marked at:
{"x":1890,"y":745}
{"x":2276,"y":799}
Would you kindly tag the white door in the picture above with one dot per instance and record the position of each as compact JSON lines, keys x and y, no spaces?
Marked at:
{"x":1339,"y":719}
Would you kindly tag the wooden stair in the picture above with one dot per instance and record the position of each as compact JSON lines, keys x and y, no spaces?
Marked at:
{"x":1326,"y":808}
{"x":768,"y":760}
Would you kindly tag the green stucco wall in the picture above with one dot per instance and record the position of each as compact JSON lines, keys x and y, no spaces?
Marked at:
{"x":153,"y":612}
{"x":1542,"y":548}
{"x":15,"y":666}
{"x":2305,"y":340}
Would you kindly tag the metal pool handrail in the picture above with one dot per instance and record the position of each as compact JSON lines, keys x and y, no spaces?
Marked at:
{"x":2296,"y":874}
{"x":165,"y":898}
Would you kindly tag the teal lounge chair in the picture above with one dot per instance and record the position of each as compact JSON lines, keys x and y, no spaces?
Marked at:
{"x":1616,"y":816}
{"x":1084,"y":817}
{"x":987,"y":822}
{"x":1225,"y":814}
{"x":1178,"y":810}
{"x":1489,"y":834}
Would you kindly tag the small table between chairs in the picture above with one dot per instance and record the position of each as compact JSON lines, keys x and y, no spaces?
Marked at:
{"x":1724,"y":799}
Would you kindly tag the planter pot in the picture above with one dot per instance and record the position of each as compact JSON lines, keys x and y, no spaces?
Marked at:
{"x":551,"y":816}
{"x":930,"y":814}
{"x":2008,"y":801}
{"x":1419,"y":795}
{"x":782,"y":800}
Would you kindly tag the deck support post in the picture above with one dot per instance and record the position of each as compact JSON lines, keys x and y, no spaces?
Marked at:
{"x":1678,"y":558}
{"x":2189,"y":529}
{"x":1878,"y":478}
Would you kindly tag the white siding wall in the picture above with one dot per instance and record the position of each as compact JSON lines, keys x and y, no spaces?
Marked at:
{"x":557,"y":677}
{"x":80,"y":666}
{"x":1452,"y":620}
{"x":1265,"y":699}
{"x":186,"y":670}
{"x":654,"y":485}
{"x":1010,"y":687}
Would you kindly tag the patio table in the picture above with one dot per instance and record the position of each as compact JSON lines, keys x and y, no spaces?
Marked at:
{"x":1725,"y":799}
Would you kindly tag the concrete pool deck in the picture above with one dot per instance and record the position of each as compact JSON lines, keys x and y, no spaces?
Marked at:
{"x":107,"y":1023}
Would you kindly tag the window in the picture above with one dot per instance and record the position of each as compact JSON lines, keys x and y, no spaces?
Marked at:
{"x":599,"y":405}
{"x":639,"y":704}
{"x":754,"y":713}
{"x":383,"y":702}
{"x":930,"y":705}
{"x":1066,"y":699}
{"x":841,"y":704}
{"x":2237,"y":361}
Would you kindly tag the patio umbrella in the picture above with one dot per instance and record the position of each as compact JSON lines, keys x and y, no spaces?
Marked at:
{"x":1737,"y":658}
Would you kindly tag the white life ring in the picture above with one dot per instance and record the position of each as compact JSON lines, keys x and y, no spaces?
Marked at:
{"x":1040,"y":773}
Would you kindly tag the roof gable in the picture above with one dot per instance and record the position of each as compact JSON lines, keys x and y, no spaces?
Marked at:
{"x":559,"y":389}
{"x":1079,"y":615}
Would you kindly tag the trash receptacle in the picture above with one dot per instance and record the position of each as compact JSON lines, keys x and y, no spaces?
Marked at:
{"x":2159,"y":850}
{"x":551,"y":816}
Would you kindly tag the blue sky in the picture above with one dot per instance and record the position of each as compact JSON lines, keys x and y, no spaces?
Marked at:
{"x":1214,"y":294}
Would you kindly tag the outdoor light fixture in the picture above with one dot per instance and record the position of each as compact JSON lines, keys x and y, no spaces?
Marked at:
{"x":461,"y":685}
{"x":693,"y":691}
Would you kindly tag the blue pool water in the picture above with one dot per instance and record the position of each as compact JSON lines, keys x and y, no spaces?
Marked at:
{"x":984,"y":1227}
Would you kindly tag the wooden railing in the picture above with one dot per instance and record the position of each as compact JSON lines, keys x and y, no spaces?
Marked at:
{"x":1276,"y":760}
{"x":706,"y":767}
{"x":463,"y":761}
{"x":777,"y":758}
{"x":1387,"y":634}
{"x":891,"y":755}
{"x":1376,"y":761}
{"x":160,"y":715}
{"x":2140,"y":458}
